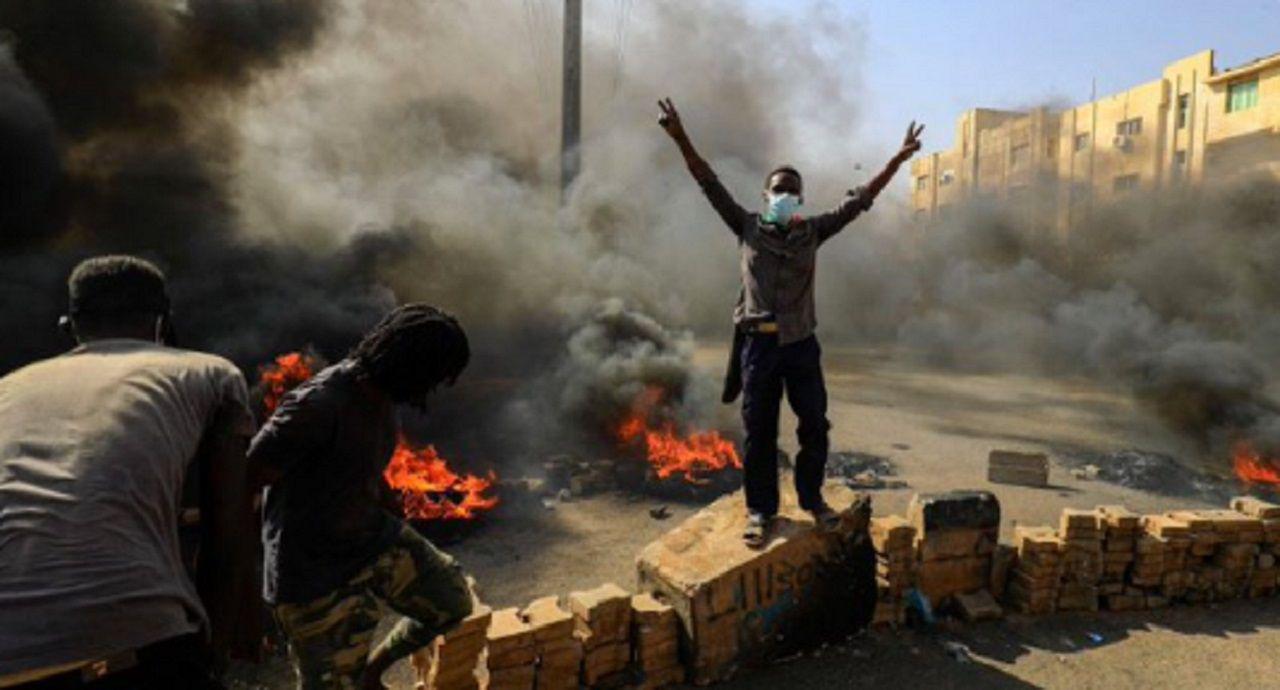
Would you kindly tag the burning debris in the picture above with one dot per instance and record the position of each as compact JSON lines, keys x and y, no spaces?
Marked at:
{"x":627,"y":392}
{"x":1253,"y":468}
{"x":669,"y":453}
{"x":284,"y":374}
{"x":429,"y":490}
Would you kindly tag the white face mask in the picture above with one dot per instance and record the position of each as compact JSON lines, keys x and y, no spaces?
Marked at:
{"x":780,"y":208}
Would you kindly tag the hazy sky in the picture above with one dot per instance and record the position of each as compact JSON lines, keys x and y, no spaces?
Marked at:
{"x":932,"y":59}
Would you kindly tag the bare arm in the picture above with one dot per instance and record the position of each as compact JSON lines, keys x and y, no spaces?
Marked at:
{"x":860,"y":200}
{"x":910,"y":144}
{"x":721,"y":200}
{"x":224,"y":571}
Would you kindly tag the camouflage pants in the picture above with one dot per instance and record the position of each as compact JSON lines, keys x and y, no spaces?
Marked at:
{"x":330,"y":637}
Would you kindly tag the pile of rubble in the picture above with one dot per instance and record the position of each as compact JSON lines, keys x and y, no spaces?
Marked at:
{"x":604,"y":638}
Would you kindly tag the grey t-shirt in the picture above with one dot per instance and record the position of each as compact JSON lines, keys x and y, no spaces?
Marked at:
{"x":94,"y":448}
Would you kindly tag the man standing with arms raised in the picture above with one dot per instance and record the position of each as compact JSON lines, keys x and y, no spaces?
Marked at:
{"x":775,"y":321}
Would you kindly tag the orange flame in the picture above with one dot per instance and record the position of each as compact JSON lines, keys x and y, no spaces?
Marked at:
{"x":1252,"y":468}
{"x":693,"y":456}
{"x":288,"y":371}
{"x":429,"y":490}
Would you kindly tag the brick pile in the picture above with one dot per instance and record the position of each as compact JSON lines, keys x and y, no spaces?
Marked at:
{"x":1120,"y":530}
{"x":602,"y":621}
{"x":454,"y":661}
{"x":1266,"y":575}
{"x":956,"y":533}
{"x":1080,"y":532}
{"x":559,"y":650}
{"x":512,"y":652}
{"x":893,"y":539}
{"x":1037,"y":570}
{"x":740,"y":606}
{"x":656,"y":639}
{"x":1147,"y":562}
{"x":945,"y":547}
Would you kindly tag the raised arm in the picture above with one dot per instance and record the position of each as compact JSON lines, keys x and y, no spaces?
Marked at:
{"x":910,"y":144}
{"x":721,"y":200}
{"x":860,"y":199}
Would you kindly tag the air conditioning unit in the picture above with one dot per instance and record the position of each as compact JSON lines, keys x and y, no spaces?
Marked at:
{"x":1124,"y":142}
{"x":947,"y":176}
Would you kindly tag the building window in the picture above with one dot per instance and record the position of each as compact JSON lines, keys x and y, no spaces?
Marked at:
{"x":1242,"y":95}
{"x":922,"y":182}
{"x":1082,"y":141}
{"x":1018,"y":156}
{"x":1184,"y":109}
{"x":1179,"y":159}
{"x":1131,"y":127}
{"x":946,"y":177}
{"x":1050,"y":147}
{"x":1125,"y":183}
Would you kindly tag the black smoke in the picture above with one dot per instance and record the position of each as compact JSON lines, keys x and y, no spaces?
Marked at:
{"x":114,"y":137}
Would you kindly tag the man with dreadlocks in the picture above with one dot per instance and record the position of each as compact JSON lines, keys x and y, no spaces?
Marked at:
{"x":333,"y":552}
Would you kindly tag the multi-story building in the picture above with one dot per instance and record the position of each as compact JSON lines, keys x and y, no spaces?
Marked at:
{"x":1191,"y":124}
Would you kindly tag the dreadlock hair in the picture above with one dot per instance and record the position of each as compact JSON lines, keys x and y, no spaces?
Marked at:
{"x":413,"y":349}
{"x":116,"y":292}
{"x":786,"y":169}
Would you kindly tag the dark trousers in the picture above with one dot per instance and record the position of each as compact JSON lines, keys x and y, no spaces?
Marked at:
{"x":769,"y":369}
{"x":178,"y":662}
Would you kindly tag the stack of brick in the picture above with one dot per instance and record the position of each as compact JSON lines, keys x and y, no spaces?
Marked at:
{"x":512,"y":657}
{"x":602,"y":621}
{"x":893,"y":539}
{"x":1265,"y":574}
{"x":1238,"y":546}
{"x":655,"y":637}
{"x":1033,"y":584}
{"x":1163,"y":563}
{"x":1198,"y":577}
{"x":455,"y":661}
{"x":1082,"y":558}
{"x":743,"y":607}
{"x":1120,"y":529}
{"x":956,"y":533}
{"x":559,"y":650}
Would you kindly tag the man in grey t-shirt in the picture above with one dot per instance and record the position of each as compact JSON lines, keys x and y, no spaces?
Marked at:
{"x":95,"y":446}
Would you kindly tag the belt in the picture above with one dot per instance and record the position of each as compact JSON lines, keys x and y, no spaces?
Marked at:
{"x":761,"y":327}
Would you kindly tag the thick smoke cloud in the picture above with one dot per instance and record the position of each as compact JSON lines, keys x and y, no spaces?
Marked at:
{"x":298,"y":166}
{"x":1171,"y":295}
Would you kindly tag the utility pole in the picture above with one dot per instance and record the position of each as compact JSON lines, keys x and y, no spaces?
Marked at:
{"x":571,"y":96}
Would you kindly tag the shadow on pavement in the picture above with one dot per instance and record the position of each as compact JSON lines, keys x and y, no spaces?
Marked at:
{"x":1074,"y":633}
